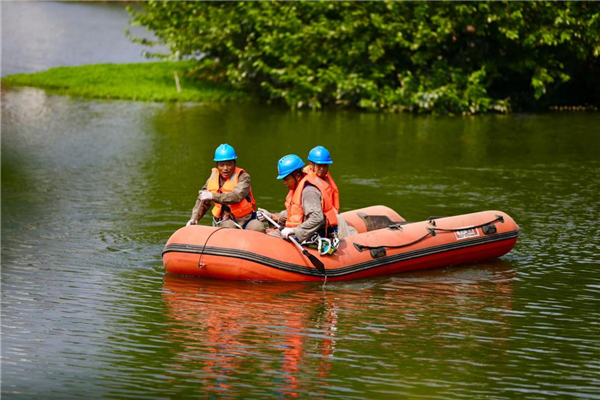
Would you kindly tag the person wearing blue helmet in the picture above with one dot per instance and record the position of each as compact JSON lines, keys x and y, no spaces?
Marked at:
{"x":319,"y":161}
{"x":229,"y":188}
{"x":307,"y":209}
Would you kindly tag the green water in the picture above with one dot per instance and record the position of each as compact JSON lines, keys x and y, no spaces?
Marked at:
{"x":91,"y":191}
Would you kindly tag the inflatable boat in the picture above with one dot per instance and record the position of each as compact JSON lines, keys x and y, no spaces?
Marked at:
{"x":385,"y":244}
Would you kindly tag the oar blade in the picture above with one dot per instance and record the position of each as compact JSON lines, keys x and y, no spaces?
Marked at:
{"x":315,"y":261}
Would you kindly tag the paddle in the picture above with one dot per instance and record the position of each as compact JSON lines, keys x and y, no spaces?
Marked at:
{"x":316,"y":262}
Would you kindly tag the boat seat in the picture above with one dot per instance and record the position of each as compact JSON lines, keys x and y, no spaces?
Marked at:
{"x":375,"y":222}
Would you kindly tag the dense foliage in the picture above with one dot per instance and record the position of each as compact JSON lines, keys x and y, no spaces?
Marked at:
{"x":455,"y":57}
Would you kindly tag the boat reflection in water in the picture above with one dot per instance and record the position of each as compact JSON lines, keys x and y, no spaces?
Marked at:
{"x":227,"y":327}
{"x":236,"y":338}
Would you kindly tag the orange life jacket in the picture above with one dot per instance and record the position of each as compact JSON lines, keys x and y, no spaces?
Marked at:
{"x":293,"y":203}
{"x":239,"y":210}
{"x":329,"y":187}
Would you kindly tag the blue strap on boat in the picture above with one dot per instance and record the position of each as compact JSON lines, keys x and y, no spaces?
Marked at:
{"x":251,"y":218}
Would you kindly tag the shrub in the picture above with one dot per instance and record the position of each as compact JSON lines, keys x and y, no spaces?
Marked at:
{"x":442,"y":57}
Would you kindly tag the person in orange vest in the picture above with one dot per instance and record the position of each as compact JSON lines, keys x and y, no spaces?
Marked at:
{"x":307,"y":209}
{"x":319,"y":160}
{"x":228,"y":187}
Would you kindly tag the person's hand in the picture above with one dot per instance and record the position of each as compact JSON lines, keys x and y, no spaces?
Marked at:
{"x":261,"y":215}
{"x":287,"y":232}
{"x":190,"y":222}
{"x":206,"y":195}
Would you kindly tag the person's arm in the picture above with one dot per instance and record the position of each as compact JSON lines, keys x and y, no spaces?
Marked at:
{"x":313,"y":213}
{"x":200,"y":208}
{"x":280,"y":217}
{"x":239,"y":193}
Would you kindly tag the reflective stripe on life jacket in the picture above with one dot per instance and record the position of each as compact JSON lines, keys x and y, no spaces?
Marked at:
{"x":239,"y":210}
{"x":329,"y":188}
{"x":293,"y":203}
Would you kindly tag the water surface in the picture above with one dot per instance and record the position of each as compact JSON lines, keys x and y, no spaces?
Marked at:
{"x":92,"y":189}
{"x":37,"y":35}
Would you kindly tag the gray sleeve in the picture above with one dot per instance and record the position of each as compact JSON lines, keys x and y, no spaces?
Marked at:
{"x":313,"y":213}
{"x":198,"y":212}
{"x":282,"y":217}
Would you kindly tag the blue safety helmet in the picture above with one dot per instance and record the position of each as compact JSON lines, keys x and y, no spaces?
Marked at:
{"x":288,"y":164}
{"x":320,"y":155}
{"x":225,"y":153}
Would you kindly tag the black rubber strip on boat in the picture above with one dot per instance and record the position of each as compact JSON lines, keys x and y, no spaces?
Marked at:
{"x":338,"y":272}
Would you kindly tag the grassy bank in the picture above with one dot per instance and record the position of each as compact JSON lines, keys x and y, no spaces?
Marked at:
{"x":141,"y":81}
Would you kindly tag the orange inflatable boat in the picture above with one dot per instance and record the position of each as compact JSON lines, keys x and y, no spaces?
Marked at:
{"x":386,"y":244}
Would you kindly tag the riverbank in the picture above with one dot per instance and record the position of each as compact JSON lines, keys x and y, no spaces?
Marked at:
{"x":152,"y":81}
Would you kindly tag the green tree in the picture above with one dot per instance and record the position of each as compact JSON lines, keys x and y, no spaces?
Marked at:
{"x":443,"y":57}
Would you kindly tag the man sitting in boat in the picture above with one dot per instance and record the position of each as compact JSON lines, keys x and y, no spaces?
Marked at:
{"x":228,"y":187}
{"x":308,"y":209}
{"x":319,"y":159}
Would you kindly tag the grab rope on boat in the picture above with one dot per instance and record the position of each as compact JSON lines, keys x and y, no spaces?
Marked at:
{"x":430,"y":232}
{"x":200,"y":264}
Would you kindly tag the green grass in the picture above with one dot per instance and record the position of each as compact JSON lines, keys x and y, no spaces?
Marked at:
{"x":153,"y":81}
